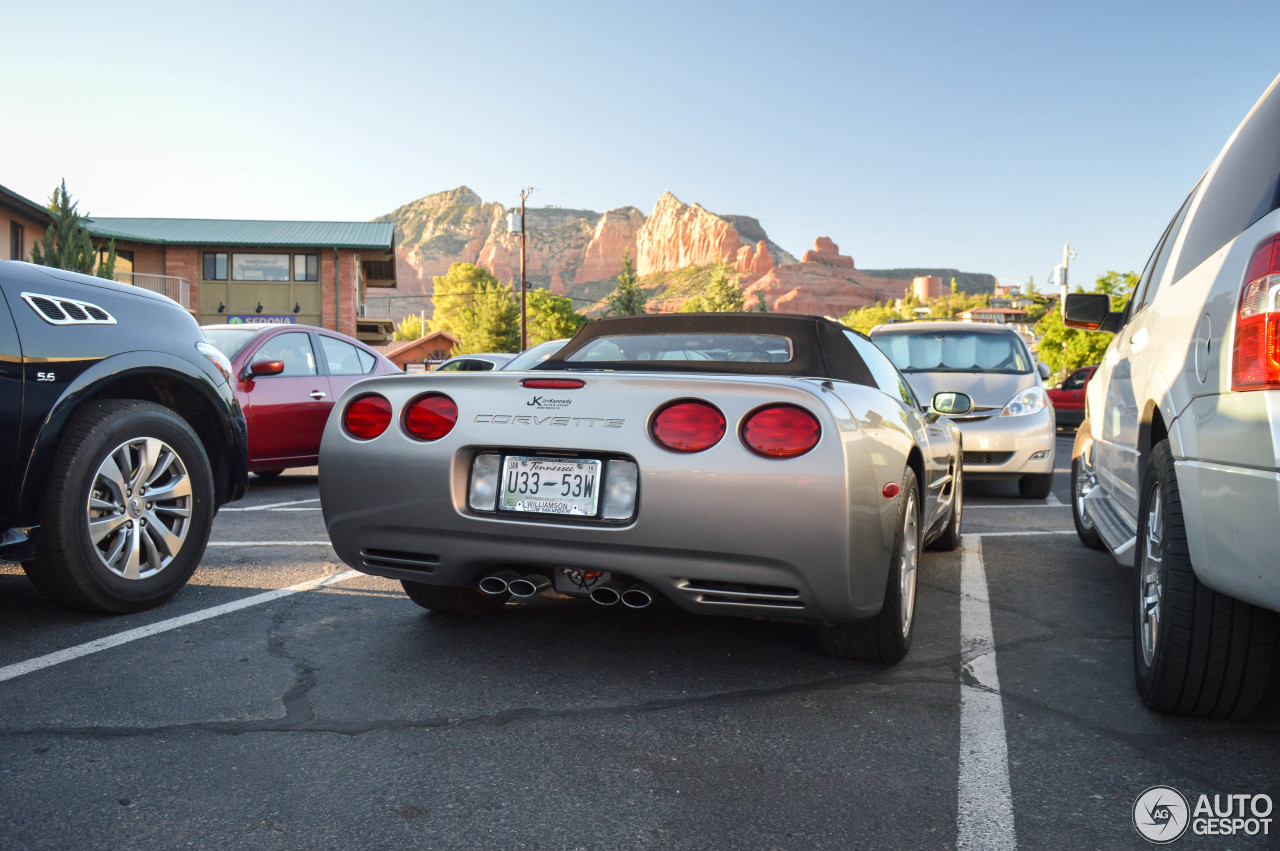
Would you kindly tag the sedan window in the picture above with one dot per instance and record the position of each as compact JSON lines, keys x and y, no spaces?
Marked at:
{"x":294,"y":348}
{"x":343,"y":358}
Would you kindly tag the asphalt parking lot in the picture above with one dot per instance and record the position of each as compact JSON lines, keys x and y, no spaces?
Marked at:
{"x":282,"y":701}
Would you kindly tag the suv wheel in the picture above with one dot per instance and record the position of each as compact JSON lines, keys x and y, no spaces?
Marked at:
{"x":1195,"y":651}
{"x":127,"y":510}
{"x":1083,"y":480}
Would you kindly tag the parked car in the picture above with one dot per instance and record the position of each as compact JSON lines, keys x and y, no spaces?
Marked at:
{"x":120,"y":438}
{"x":1009,"y":434}
{"x":1176,"y":469}
{"x":483,"y":362}
{"x":533,"y":355}
{"x":622,"y":471}
{"x":287,"y":378}
{"x":1068,"y":397}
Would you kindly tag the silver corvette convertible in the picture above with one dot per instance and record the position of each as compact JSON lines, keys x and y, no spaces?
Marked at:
{"x":729,"y":464}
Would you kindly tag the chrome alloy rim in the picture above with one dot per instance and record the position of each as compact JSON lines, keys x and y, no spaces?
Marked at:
{"x":1086,"y":481}
{"x":907,"y":566}
{"x":139,"y":508}
{"x":1152,"y":590}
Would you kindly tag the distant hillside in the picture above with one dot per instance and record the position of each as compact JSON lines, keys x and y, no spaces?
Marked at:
{"x":974,"y":283}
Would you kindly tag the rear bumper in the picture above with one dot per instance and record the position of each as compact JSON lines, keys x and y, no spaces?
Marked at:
{"x":1007,"y":447}
{"x":1231,"y":516}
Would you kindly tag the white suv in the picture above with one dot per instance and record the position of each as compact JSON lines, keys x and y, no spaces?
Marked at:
{"x":1176,"y":468}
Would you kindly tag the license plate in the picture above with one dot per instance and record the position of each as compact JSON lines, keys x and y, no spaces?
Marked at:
{"x":569,"y":486}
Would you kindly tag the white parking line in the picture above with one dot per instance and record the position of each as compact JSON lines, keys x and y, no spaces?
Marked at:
{"x":270,"y":505}
{"x":985,"y":812}
{"x":49,"y":660}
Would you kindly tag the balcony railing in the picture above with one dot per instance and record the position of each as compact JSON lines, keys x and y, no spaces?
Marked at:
{"x":178,"y":289}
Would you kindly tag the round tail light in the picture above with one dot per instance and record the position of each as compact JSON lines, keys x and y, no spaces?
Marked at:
{"x":781,"y":431}
{"x":367,"y":416}
{"x":430,"y":417}
{"x":687,"y":426}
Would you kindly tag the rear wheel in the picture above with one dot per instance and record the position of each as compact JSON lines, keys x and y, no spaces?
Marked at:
{"x":127,"y":509}
{"x":454,"y":601}
{"x":1195,"y":651}
{"x":1037,"y":486}
{"x":887,"y":636}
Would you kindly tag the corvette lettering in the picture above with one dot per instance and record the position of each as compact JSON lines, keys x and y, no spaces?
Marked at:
{"x":533,"y":420}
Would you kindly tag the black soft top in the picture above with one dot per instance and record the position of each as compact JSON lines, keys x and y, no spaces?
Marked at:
{"x":819,"y":346}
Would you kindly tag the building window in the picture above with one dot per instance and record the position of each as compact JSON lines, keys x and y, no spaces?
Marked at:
{"x":260,"y":267}
{"x":17,"y":249}
{"x":306,"y":267}
{"x":215,"y":267}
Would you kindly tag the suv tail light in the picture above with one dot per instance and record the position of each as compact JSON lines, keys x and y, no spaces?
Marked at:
{"x":781,"y":431}
{"x":367,"y":416}
{"x":430,"y":417}
{"x":1255,"y":359}
{"x":687,"y":426}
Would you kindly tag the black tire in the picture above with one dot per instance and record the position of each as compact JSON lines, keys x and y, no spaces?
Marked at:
{"x":1081,"y":483}
{"x":268,"y":474}
{"x":1203,"y":653}
{"x":949,"y":540}
{"x":1037,"y":486}
{"x":454,"y":601}
{"x":887,"y":636}
{"x":169,"y":533}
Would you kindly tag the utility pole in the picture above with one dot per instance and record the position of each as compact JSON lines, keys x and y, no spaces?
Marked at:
{"x":524,"y":286}
{"x":1067,"y":254}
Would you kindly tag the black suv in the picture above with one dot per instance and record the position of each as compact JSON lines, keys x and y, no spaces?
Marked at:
{"x":120,"y":438}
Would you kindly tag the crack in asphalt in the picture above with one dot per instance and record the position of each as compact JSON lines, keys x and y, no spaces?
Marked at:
{"x":297,"y":697}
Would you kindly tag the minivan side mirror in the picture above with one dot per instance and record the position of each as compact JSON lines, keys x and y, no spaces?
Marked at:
{"x":1043,"y":369}
{"x":1091,"y":312}
{"x":949,"y":404}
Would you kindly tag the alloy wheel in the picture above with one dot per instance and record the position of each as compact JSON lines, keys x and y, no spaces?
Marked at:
{"x":907,"y":565}
{"x":1152,"y":573}
{"x":138,"y":510}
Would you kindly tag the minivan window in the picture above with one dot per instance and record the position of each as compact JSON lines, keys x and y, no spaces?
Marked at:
{"x":955,"y":351}
{"x":1245,"y":188}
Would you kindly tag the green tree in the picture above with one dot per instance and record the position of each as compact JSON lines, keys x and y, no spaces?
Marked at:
{"x":1065,"y":349}
{"x":454,"y":293}
{"x":721,"y":295}
{"x":627,"y":299}
{"x":866,"y":318}
{"x":409,"y":328}
{"x":551,"y":317}
{"x":761,"y":306}
{"x":955,"y":288}
{"x":66,"y":243}
{"x":491,"y":323}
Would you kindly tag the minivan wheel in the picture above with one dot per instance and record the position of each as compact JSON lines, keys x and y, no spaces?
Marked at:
{"x":1035,"y":486}
{"x":1195,"y":651}
{"x":887,"y":636}
{"x":127,"y":509}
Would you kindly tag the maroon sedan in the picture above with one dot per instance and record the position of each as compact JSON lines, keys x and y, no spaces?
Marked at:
{"x":287,"y":378}
{"x":1068,"y":399}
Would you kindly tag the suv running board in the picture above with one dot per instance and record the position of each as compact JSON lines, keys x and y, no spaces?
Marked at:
{"x":1113,"y":529}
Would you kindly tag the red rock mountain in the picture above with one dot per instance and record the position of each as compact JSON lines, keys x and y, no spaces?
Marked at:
{"x":567,"y":250}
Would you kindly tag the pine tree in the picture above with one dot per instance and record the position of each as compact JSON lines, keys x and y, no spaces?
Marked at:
{"x":66,"y":243}
{"x":761,"y":306}
{"x":551,"y":317}
{"x":627,"y":299}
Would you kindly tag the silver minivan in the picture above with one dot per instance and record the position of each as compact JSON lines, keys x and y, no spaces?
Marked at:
{"x":1009,"y":434}
{"x":1176,"y":469}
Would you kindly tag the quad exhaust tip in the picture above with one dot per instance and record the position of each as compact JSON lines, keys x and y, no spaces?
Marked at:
{"x":608,"y":594}
{"x":498,"y":583}
{"x":528,"y":586}
{"x":637,"y":596}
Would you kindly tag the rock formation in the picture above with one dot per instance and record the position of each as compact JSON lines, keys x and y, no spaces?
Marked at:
{"x":824,"y":283}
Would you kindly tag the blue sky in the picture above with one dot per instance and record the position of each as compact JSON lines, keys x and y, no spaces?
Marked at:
{"x":975,"y":135}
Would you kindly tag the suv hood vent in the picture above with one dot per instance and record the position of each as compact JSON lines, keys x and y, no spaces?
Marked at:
{"x":67,"y":311}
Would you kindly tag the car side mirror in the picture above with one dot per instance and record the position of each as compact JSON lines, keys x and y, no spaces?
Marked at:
{"x":949,"y":404}
{"x":266,"y":367}
{"x":1043,"y":369}
{"x":1091,"y":312}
